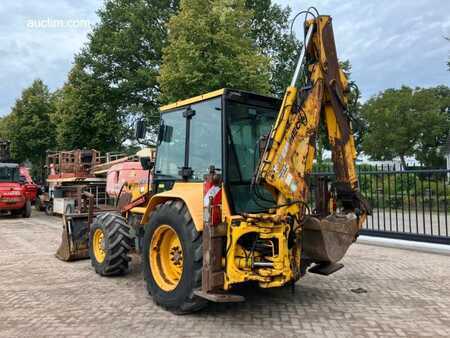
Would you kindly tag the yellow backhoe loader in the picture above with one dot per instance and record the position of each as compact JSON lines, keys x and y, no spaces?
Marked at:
{"x":228,"y":203}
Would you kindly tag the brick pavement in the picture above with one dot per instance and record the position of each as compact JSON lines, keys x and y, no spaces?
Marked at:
{"x":408,"y":294}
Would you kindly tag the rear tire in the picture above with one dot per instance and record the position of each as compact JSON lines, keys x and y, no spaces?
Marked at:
{"x":177,"y":297}
{"x":109,"y":244}
{"x":26,"y":212}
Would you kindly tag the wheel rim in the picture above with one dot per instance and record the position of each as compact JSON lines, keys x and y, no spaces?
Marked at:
{"x":99,"y":245}
{"x":166,"y":257}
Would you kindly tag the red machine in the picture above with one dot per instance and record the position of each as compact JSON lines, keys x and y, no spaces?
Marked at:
{"x":130,"y":172}
{"x":14,"y":196}
{"x":31,"y":188}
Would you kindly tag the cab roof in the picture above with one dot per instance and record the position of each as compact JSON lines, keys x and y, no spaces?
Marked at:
{"x":214,"y":94}
{"x":192,"y":100}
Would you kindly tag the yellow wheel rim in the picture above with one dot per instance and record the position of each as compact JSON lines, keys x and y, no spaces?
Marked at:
{"x":99,"y":245}
{"x":166,"y":257}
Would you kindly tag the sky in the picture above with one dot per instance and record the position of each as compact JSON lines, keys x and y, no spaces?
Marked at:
{"x":388,"y":42}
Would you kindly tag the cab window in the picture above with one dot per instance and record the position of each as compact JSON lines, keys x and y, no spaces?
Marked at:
{"x":205,"y":146}
{"x":170,"y":157}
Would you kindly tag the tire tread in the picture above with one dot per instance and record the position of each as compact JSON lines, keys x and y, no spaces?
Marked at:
{"x":117,"y":233}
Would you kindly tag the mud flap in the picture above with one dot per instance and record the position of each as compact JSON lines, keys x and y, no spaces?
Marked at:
{"x":75,"y":238}
{"x":327,"y":240}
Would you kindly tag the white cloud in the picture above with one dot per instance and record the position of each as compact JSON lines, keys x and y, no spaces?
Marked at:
{"x":389,"y":42}
{"x":47,"y":53}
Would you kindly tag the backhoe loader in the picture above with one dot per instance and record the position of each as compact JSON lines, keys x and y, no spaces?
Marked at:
{"x":228,"y":202}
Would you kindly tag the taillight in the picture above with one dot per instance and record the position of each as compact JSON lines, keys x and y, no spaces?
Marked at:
{"x":212,"y":198}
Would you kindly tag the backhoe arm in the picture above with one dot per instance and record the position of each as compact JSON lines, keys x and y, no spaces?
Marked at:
{"x":290,"y":149}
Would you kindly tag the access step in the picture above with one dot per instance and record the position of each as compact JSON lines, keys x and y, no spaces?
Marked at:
{"x":326,"y":269}
{"x":219,"y":297}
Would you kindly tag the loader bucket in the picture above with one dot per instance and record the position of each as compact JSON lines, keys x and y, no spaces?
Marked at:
{"x":327,"y":240}
{"x":75,"y":238}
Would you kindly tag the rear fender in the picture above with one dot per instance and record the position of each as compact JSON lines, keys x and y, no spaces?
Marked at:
{"x":190,"y":193}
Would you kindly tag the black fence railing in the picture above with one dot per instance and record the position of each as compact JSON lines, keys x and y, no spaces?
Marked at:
{"x":412,"y":204}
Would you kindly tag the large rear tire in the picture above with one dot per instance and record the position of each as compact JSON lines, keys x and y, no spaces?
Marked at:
{"x":172,"y":258}
{"x":109,"y":244}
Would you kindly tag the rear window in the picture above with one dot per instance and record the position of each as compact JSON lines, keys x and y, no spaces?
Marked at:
{"x":9,"y":174}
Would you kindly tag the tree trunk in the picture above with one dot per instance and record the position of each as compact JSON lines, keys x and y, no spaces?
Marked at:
{"x":403,"y":161}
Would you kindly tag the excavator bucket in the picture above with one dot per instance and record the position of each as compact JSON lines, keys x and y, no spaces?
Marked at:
{"x":327,"y":240}
{"x":75,"y":238}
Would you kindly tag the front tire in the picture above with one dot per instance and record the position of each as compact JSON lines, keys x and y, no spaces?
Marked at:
{"x":172,"y":258}
{"x":26,"y":212}
{"x":109,"y":244}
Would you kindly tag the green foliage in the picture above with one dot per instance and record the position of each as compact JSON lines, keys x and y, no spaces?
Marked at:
{"x":358,"y":122}
{"x":82,"y":119}
{"x":210,"y":47}
{"x":121,"y":63}
{"x":406,"y":190}
{"x":4,"y":127}
{"x":270,"y":31}
{"x":406,"y":122}
{"x":30,"y":129}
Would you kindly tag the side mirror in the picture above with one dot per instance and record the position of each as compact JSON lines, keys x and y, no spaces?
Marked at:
{"x":161,"y":131}
{"x":146,"y":163}
{"x":140,"y":129}
{"x":165,"y":133}
{"x":22,"y":180}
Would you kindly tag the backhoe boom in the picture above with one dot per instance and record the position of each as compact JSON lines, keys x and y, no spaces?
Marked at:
{"x":288,"y":157}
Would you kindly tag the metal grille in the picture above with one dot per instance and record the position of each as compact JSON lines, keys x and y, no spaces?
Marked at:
{"x":412,"y":204}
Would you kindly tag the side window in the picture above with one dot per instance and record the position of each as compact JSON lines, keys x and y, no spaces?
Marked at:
{"x":171,"y":150}
{"x":205,"y":148}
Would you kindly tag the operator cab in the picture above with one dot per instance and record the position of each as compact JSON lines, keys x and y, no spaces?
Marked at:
{"x":221,"y":129}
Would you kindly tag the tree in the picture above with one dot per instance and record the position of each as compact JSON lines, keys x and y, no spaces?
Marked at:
{"x":122,"y":59}
{"x":31,"y":131}
{"x":358,"y":123}
{"x":4,"y":127}
{"x":83,"y":119}
{"x":407,"y":122}
{"x":210,"y":47}
{"x":271,"y":33}
{"x":436,"y":103}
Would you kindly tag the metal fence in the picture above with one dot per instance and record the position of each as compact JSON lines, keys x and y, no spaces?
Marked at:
{"x":412,"y":204}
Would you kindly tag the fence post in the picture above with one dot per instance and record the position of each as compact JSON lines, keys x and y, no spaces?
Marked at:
{"x":448,"y":166}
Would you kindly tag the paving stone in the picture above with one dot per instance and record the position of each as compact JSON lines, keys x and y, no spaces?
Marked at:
{"x":408,"y":294}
